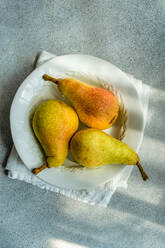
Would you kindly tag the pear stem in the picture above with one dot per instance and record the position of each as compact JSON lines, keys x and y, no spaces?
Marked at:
{"x":143,"y":174}
{"x":46,"y":77}
{"x":37,"y":170}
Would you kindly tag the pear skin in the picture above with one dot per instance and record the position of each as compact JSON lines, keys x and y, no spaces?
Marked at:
{"x":96,"y":107}
{"x":54,"y":123}
{"x":93,"y":148}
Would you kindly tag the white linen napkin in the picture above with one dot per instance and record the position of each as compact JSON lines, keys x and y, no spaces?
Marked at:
{"x":102,"y":194}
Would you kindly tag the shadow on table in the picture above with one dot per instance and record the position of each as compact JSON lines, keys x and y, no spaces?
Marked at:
{"x":44,"y":216}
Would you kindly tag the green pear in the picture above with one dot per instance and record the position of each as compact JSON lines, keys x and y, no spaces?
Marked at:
{"x":93,"y":148}
{"x":54,"y":123}
{"x":96,"y":107}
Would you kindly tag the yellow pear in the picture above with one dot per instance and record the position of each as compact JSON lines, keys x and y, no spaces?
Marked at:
{"x":93,"y":148}
{"x":54,"y":123}
{"x":96,"y":107}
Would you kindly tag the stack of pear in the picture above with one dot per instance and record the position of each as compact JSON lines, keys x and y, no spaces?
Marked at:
{"x":54,"y":123}
{"x":96,"y":107}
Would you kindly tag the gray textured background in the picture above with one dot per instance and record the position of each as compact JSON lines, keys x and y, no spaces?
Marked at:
{"x":130,"y":34}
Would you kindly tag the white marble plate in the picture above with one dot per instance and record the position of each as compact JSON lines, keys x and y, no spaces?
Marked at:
{"x":34,"y":90}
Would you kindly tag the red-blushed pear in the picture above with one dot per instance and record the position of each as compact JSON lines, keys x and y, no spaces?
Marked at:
{"x":96,"y":107}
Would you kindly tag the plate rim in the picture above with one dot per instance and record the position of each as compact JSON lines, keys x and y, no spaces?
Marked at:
{"x":25,"y":81}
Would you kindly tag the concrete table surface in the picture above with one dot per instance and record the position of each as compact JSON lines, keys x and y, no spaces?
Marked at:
{"x":130,"y":34}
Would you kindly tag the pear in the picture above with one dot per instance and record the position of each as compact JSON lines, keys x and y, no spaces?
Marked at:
{"x":54,"y":122}
{"x":93,"y":148}
{"x":96,"y":107}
